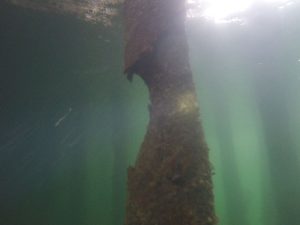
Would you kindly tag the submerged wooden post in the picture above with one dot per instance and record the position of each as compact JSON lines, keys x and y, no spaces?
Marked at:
{"x":170,"y":183}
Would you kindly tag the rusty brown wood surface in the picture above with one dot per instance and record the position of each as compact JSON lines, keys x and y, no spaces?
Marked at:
{"x":170,"y":184}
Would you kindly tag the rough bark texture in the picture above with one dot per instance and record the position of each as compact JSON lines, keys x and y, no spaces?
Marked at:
{"x":171,"y":181}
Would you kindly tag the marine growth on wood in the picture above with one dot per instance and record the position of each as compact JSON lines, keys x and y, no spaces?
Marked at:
{"x":170,"y":184}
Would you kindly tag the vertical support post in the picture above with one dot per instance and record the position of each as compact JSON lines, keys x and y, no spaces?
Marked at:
{"x":170,"y":183}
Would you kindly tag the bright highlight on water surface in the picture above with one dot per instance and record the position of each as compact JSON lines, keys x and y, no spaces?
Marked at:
{"x":227,"y":11}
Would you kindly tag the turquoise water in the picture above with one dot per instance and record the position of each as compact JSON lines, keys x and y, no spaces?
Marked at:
{"x":71,"y":123}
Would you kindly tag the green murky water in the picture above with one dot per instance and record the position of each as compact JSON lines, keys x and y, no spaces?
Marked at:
{"x":71,"y":123}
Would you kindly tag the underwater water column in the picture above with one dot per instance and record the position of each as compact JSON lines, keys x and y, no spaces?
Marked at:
{"x":236,"y":206}
{"x":119,"y":137}
{"x":170,"y":182}
{"x":282,"y":152}
{"x":273,"y":79}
